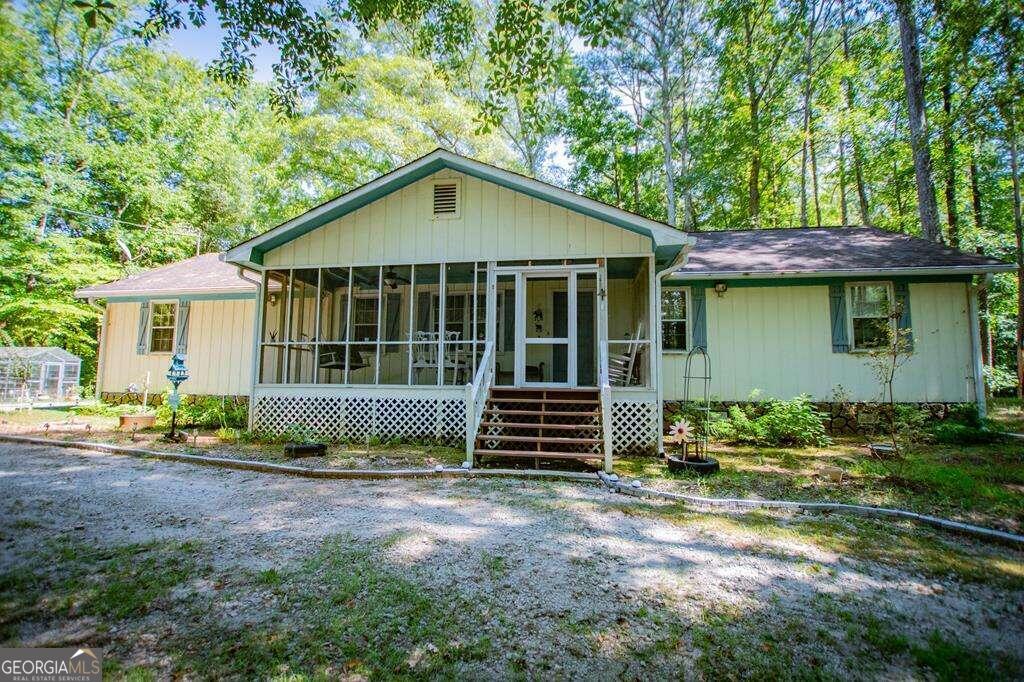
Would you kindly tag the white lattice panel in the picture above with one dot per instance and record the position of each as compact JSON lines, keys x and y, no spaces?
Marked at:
{"x":635,"y":426}
{"x":336,"y":418}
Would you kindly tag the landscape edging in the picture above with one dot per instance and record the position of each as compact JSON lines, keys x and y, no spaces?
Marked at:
{"x":837,"y":507}
{"x":610,"y":483}
{"x":271,"y":468}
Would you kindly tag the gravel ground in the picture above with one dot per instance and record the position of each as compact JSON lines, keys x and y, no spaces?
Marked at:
{"x":565,"y":580}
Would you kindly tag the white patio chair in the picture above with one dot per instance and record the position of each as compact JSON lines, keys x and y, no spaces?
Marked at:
{"x":621,"y":365}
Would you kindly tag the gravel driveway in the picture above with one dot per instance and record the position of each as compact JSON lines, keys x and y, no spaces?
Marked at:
{"x":472,"y":578}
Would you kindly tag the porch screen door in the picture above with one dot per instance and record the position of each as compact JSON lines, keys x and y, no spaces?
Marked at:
{"x":548,"y":329}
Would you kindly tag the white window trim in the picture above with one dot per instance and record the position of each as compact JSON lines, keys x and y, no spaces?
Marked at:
{"x":458,"y":198}
{"x":174,"y":327}
{"x":688,"y":321}
{"x":890,"y":293}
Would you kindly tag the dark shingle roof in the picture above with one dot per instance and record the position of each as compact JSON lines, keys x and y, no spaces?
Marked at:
{"x":200,"y":274}
{"x":824,"y":250}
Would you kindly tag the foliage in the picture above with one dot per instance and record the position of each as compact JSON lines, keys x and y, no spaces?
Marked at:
{"x":953,"y":433}
{"x":300,"y":434}
{"x":782,"y":422}
{"x":107,"y":410}
{"x":204,"y":412}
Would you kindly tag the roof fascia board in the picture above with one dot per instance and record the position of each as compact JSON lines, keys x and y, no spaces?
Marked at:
{"x":856,"y":272}
{"x":191,"y":294}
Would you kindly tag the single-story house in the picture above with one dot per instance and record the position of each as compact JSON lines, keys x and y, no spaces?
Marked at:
{"x":453,"y":299}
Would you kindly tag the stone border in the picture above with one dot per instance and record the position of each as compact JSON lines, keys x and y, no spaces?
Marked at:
{"x":611,"y":482}
{"x":635,"y":489}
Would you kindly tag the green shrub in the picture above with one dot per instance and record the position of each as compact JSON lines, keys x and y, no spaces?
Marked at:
{"x":299,"y":434}
{"x":966,"y":414}
{"x":784,"y":422}
{"x":106,"y":410}
{"x":793,"y":422}
{"x":205,"y":412}
{"x":953,"y":433}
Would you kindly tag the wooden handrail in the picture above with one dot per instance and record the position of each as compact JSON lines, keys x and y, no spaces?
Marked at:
{"x":476,"y":397}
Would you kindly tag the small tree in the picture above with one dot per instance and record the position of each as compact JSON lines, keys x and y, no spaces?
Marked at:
{"x":886,"y":362}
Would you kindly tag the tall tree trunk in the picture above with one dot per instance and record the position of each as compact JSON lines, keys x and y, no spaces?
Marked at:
{"x":913,"y":80}
{"x":949,"y":159}
{"x":984,"y":330}
{"x":689,"y":219}
{"x":1018,"y":233}
{"x":754,"y":181}
{"x":858,"y":159}
{"x":814,"y":179}
{"x":667,"y":150}
{"x":844,"y":216}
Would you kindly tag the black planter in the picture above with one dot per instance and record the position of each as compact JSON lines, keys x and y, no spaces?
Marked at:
{"x":701,"y":467}
{"x":305,"y":449}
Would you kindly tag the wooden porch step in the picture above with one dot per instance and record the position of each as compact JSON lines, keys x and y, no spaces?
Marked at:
{"x":502,"y":398}
{"x":537,"y":425}
{"x":540,"y":454}
{"x":556,"y":440}
{"x":546,"y":413}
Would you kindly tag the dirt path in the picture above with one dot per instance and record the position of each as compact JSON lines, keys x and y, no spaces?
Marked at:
{"x":474,"y":578}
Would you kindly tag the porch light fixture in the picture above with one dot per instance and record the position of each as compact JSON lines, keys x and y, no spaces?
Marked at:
{"x":177,"y":374}
{"x":721,"y":288}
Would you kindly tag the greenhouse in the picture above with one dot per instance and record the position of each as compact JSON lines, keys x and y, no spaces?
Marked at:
{"x":35,"y":373}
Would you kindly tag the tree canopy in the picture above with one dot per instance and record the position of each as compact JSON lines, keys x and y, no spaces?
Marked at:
{"x":116,"y":153}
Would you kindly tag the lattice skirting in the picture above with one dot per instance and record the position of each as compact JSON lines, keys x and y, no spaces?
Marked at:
{"x":340,"y":418}
{"x":636,"y":427}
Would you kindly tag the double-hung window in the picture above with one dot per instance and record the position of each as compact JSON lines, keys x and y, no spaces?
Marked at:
{"x":161,"y":327}
{"x":870,"y":305}
{"x":674,"y":330}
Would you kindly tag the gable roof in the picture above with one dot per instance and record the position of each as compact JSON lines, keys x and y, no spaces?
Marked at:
{"x":833,"y":251}
{"x":204,"y":274}
{"x":39,"y":353}
{"x":667,"y":242}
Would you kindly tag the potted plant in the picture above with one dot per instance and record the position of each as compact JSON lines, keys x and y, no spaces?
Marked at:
{"x":692,"y":455}
{"x":301,"y":442}
{"x":136,"y":418}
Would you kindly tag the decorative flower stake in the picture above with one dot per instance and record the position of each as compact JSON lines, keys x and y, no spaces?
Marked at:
{"x":681,"y":431}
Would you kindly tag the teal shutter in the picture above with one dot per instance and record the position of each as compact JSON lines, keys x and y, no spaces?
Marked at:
{"x":181,"y":331}
{"x":142,"y":344}
{"x":699,"y":326}
{"x":837,"y":308}
{"x":901,"y":291}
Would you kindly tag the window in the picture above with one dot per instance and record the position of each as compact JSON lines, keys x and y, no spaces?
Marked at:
{"x":161,"y":328}
{"x":446,"y":199}
{"x":870,"y":323}
{"x":673,"y":318}
{"x":364,"y":319}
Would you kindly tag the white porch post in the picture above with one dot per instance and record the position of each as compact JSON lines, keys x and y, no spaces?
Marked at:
{"x":654,"y":306}
{"x":602,"y":355}
{"x":256,"y":336}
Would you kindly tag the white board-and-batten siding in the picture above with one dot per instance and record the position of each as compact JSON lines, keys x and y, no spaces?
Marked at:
{"x":778,"y":340}
{"x":494,"y":223}
{"x":219,"y":357}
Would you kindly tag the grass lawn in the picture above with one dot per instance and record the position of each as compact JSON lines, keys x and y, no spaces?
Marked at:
{"x":981,"y":484}
{"x":1006,"y":414}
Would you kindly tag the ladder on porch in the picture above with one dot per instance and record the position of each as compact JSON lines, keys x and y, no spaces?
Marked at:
{"x":541,"y":423}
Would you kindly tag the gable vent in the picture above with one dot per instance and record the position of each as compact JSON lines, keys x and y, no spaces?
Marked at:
{"x":446,"y":199}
